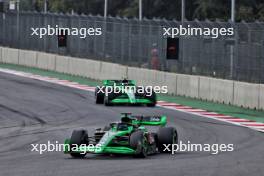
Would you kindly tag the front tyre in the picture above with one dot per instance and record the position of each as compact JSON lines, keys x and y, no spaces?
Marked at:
{"x":138,"y":142}
{"x":166,"y":135}
{"x":78,"y":138}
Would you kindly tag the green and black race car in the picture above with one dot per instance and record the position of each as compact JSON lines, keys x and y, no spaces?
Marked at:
{"x":124,"y":92}
{"x":129,"y":136}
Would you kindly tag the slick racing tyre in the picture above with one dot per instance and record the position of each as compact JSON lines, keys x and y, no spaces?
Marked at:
{"x":108,"y":98}
{"x":152,"y":98}
{"x":166,"y":135}
{"x":78,"y":138}
{"x":138,"y":142}
{"x":107,"y":101}
{"x":99,"y":96}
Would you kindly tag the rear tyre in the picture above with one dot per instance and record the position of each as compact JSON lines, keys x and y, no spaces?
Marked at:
{"x":99,"y":96}
{"x":151,"y":105}
{"x":110,"y":96}
{"x":153,"y":99}
{"x":107,"y":101}
{"x":138,"y":142}
{"x":78,"y":138}
{"x":166,"y":135}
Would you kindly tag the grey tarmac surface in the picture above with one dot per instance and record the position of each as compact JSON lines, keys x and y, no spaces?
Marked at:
{"x":34,"y":112}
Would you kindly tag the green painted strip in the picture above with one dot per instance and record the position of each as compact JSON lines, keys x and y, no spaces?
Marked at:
{"x":195,"y":103}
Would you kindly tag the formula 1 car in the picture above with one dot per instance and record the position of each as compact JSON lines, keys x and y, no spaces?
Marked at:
{"x":129,"y":136}
{"x":124,"y":92}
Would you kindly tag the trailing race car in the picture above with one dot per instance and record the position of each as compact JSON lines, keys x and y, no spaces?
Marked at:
{"x":129,"y":136}
{"x":124,"y":92}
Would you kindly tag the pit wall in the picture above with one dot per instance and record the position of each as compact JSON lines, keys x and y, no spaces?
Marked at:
{"x":236,"y":93}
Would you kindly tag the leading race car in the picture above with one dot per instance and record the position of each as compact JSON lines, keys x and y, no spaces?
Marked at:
{"x":124,"y":92}
{"x":129,"y":136}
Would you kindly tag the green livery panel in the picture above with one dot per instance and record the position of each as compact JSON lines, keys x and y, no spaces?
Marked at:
{"x":116,"y":140}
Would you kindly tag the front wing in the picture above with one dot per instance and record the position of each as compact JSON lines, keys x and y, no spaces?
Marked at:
{"x":129,"y":101}
{"x":98,"y":150}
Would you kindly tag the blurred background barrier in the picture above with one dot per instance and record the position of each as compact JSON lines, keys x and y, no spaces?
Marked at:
{"x":27,"y":58}
{"x":205,"y":88}
{"x":62,"y":64}
{"x":221,"y":91}
{"x":261,"y":97}
{"x":10,"y":56}
{"x":1,"y":60}
{"x":246,"y":94}
{"x":187,"y":85}
{"x":137,"y":43}
{"x":249,"y":95}
{"x":45,"y":61}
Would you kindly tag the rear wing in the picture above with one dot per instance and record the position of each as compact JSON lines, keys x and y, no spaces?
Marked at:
{"x":118,"y":82}
{"x":150,"y":120}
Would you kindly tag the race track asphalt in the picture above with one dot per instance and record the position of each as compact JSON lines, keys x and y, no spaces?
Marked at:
{"x":32,"y":111}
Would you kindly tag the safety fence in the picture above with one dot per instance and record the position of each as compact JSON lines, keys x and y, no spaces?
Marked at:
{"x":134,"y":43}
